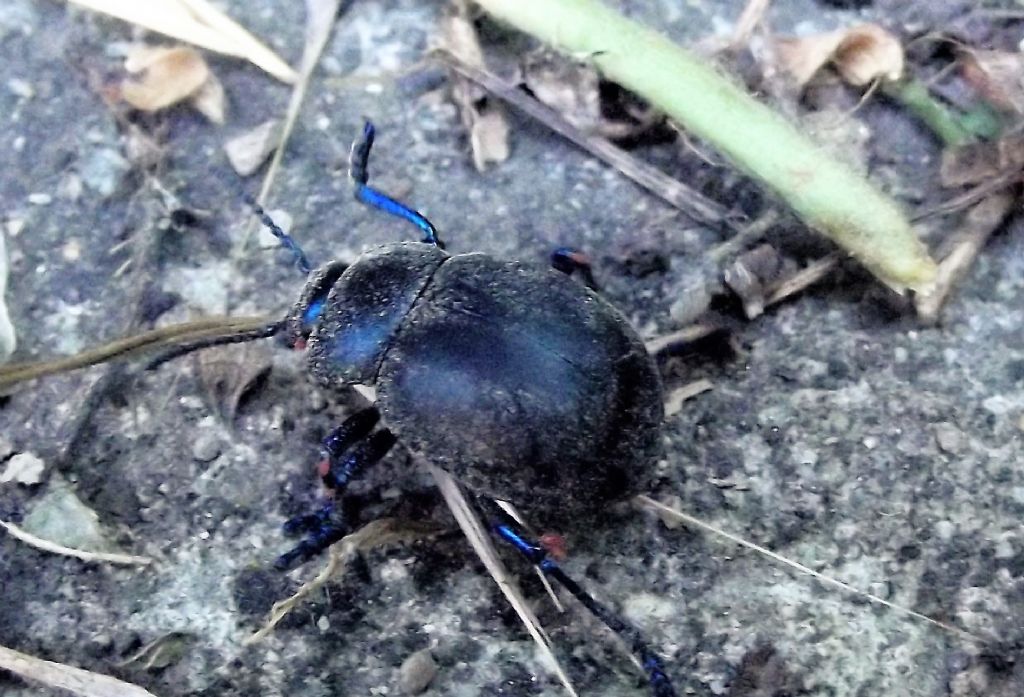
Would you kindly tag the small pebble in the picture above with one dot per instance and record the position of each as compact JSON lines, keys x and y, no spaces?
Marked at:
{"x":417,"y":672}
{"x":40,"y":199}
{"x":206,"y":448}
{"x":949,"y":438}
{"x":23,"y":468}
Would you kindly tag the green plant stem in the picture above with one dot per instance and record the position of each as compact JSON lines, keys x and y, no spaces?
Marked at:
{"x":915,"y":97}
{"x":826,"y":194}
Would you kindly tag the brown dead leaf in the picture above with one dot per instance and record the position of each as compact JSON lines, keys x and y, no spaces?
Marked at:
{"x":166,"y":75}
{"x":861,"y":54}
{"x":228,"y":373}
{"x":998,"y":76}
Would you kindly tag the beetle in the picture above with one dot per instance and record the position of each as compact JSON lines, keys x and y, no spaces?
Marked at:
{"x":524,"y":384}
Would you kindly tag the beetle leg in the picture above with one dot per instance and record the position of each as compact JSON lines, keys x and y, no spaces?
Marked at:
{"x":569,"y":261}
{"x":508,"y":530}
{"x":326,"y":526}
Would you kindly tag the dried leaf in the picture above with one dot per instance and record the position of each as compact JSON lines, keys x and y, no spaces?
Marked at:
{"x":975,"y":163}
{"x":227,"y":373}
{"x":998,"y":75}
{"x":249,"y":150}
{"x":196,"y":22}
{"x":484,"y":118}
{"x":210,"y":100}
{"x":861,"y":54}
{"x":754,"y":273}
{"x":168,"y":75}
{"x":568,"y":87}
{"x":63,"y":677}
{"x":7,"y":338}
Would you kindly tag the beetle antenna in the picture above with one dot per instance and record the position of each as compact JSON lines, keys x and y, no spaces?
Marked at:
{"x":358,"y":161}
{"x":235,"y":338}
{"x":283,"y":237}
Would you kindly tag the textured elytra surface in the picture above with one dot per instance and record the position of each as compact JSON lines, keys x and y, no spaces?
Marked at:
{"x":526,"y":386}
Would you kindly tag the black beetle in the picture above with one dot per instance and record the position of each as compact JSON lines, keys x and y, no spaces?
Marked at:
{"x":525,"y":385}
{"x":522,"y":383}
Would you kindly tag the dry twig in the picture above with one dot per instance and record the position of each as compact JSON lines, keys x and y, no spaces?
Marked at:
{"x":64,"y":677}
{"x":673,"y":192}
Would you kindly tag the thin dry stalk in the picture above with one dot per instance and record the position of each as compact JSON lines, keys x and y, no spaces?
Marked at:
{"x":673,"y":514}
{"x":64,"y":677}
{"x":382,"y":531}
{"x":320,"y":16}
{"x":802,"y":279}
{"x":747,"y":22}
{"x":675,"y":193}
{"x":979,"y":224}
{"x":54,"y":548}
{"x":481,"y":543}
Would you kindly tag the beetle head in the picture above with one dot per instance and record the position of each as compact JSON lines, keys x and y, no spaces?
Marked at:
{"x":353,"y":323}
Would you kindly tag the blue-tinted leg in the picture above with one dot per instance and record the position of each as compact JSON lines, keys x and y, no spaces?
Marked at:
{"x":570,"y":261}
{"x":509,"y":531}
{"x":358,"y":163}
{"x":347,"y":452}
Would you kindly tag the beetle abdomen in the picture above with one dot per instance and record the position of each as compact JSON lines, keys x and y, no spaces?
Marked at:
{"x":523,"y":384}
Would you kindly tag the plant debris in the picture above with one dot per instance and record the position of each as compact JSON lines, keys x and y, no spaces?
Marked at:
{"x":249,"y":150}
{"x":380,"y":532}
{"x":83,"y":683}
{"x":228,"y":373}
{"x":860,"y":54}
{"x":7,"y":338}
{"x":978,"y":225}
{"x":160,"y":653}
{"x":196,"y":22}
{"x":483,"y":118}
{"x":997,"y":75}
{"x":166,"y":75}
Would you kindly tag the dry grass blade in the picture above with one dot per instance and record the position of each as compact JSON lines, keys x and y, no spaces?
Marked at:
{"x":667,"y":512}
{"x":63,"y":677}
{"x":320,"y":16}
{"x":54,"y":548}
{"x":198,"y":23}
{"x":130,"y":346}
{"x":383,"y":531}
{"x":7,"y":339}
{"x":689,"y":201}
{"x":481,"y":543}
{"x":979,"y":224}
{"x":748,"y":21}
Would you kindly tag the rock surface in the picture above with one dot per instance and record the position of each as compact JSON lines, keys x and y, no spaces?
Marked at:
{"x":841,"y":435}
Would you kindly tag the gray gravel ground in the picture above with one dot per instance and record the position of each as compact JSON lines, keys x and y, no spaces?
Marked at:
{"x":840,"y":434}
